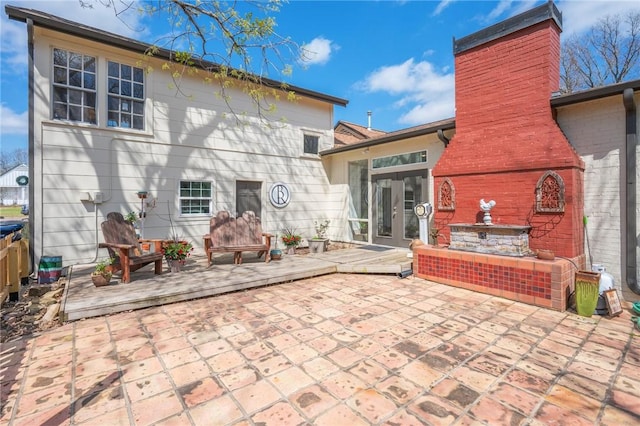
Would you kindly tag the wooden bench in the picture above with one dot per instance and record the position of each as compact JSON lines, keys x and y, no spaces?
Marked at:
{"x":231,"y":235}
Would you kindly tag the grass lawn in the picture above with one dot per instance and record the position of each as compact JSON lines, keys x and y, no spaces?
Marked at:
{"x":10,"y":211}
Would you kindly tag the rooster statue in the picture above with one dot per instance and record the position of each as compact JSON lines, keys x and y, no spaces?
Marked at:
{"x":486,"y":207}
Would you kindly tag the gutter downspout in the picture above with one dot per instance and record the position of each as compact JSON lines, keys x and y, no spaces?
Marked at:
{"x":443,"y":138}
{"x":630,"y":169}
{"x":31,"y":93}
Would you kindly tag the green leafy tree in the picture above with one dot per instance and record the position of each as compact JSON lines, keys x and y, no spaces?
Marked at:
{"x":608,"y":53}
{"x":229,"y":44}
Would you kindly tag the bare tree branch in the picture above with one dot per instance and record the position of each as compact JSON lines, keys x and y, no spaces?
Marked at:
{"x":229,"y":35}
{"x":609,"y":53}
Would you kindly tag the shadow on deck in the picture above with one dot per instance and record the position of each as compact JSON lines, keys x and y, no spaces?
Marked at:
{"x":83,"y":300}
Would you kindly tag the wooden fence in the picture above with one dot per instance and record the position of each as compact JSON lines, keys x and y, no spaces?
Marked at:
{"x":14,"y":265}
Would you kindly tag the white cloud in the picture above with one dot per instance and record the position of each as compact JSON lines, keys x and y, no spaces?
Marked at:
{"x":580,"y":16}
{"x":441,"y":6}
{"x":427,"y":93}
{"x":318,"y":51}
{"x":13,"y":123}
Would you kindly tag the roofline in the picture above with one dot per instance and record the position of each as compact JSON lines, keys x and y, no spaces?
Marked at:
{"x":508,"y":26}
{"x":56,"y":23}
{"x":447,"y":124}
{"x":593,"y":94}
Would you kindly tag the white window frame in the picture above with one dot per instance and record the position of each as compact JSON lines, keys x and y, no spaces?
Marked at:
{"x":304,"y":142}
{"x":83,"y":104}
{"x":182,"y":198}
{"x":131,"y":104}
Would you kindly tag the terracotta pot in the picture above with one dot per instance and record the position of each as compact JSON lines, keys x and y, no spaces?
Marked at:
{"x":101,"y":280}
{"x":545,"y":254}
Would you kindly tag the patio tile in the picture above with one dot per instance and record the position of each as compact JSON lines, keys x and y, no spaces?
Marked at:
{"x":319,"y":368}
{"x":256,"y":396}
{"x":256,"y":350}
{"x":371,"y":405}
{"x":514,"y":397}
{"x":583,"y":385}
{"x":291,"y":380}
{"x":434,"y":410}
{"x":490,"y":411}
{"x":561,"y":416}
{"x":148,"y":386}
{"x":280,"y":414}
{"x":340,"y":415}
{"x":613,"y":416}
{"x":627,"y":401}
{"x":179,"y":357}
{"x":399,"y":389}
{"x":455,"y":392}
{"x":156,"y":408}
{"x":96,"y":404}
{"x":592,"y":372}
{"x":369,"y":371}
{"x":566,"y":398}
{"x":239,"y":377}
{"x":323,"y":344}
{"x":526,"y":381}
{"x":271,"y":364}
{"x":300,"y":353}
{"x":343,"y":384}
{"x":225,"y":361}
{"x":189,"y":373}
{"x":344,"y":357}
{"x":200,"y":391}
{"x":392,"y":359}
{"x":313,"y":400}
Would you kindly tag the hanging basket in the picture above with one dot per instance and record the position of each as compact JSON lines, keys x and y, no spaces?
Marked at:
{"x":587,"y":292}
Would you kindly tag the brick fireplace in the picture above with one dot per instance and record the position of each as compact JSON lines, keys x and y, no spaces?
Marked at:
{"x":508,"y":148}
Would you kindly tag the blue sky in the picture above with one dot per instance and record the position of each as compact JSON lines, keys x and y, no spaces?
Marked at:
{"x":391,"y":57}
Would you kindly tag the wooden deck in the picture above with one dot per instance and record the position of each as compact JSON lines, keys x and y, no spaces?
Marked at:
{"x":83,"y":300}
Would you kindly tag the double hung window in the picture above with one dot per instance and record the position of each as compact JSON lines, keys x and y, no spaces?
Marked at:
{"x":74,"y":86}
{"x":126,"y":96}
{"x":195,"y":197}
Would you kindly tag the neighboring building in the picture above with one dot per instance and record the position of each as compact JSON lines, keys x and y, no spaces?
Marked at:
{"x":14,"y":188}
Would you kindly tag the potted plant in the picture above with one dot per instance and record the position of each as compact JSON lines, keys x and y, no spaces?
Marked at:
{"x":319,"y":242}
{"x":102,"y":274}
{"x":131,"y":217}
{"x":176,"y":252}
{"x":291,"y":239}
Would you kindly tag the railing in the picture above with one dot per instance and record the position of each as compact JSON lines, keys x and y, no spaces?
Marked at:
{"x":14,"y":265}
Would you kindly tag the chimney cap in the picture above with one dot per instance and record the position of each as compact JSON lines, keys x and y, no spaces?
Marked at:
{"x":508,"y":26}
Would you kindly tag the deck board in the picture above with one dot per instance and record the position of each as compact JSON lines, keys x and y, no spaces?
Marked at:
{"x":83,"y":300}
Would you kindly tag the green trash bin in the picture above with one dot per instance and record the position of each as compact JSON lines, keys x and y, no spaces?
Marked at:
{"x":587,"y":292}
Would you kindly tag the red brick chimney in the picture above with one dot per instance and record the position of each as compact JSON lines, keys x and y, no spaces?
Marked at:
{"x":507,"y":146}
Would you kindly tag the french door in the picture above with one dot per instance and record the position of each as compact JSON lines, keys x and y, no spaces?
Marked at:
{"x":394,"y":196}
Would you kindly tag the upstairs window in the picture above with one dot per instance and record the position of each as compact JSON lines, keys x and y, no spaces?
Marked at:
{"x":74,"y":87}
{"x":126,"y":96}
{"x":311,"y":144}
{"x":195,"y":197}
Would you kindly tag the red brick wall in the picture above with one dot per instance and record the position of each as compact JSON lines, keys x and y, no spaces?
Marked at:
{"x":506,"y":139}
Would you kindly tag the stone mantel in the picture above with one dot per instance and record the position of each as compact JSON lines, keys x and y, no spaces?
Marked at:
{"x":508,"y":240}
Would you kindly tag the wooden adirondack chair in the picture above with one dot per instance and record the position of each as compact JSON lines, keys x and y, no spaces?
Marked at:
{"x":124,"y":247}
{"x":230,"y":234}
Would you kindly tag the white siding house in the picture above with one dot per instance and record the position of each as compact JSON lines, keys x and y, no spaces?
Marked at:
{"x":11,"y":191}
{"x":190,"y":155}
